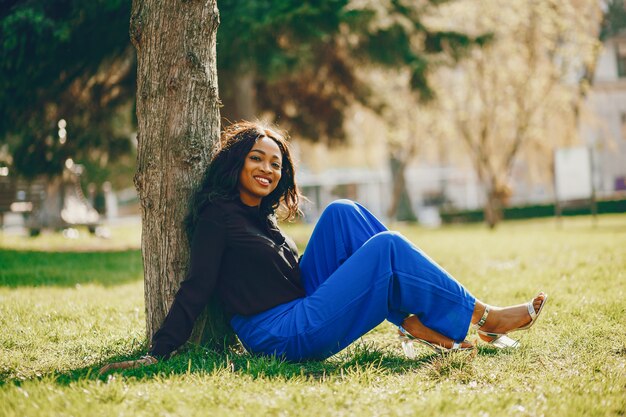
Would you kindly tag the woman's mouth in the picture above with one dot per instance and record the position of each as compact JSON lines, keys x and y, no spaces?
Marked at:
{"x":265,"y":182}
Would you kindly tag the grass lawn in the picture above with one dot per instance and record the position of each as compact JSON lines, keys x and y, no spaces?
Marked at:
{"x":63,"y":314}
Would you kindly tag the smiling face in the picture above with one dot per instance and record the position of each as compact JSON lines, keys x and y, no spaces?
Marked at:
{"x":261,"y":171}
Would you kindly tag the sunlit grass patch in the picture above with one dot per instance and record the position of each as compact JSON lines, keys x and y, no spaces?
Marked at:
{"x":121,"y":237}
{"x":54,"y":336}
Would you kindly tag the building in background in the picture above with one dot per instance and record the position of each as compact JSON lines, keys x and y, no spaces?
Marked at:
{"x":603,"y":123}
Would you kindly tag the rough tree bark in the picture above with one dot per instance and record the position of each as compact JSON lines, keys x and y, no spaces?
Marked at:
{"x":178,"y":123}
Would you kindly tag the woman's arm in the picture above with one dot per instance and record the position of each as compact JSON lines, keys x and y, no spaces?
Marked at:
{"x":143,"y":361}
{"x":207,"y":247}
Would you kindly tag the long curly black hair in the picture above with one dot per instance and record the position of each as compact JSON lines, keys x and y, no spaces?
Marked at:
{"x":221,"y":179}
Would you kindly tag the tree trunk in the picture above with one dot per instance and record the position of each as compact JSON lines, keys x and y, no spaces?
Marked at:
{"x":48,"y":214}
{"x":493,"y":210}
{"x":400,"y":207}
{"x":498,"y":196}
{"x":178,"y":123}
{"x":238,"y":94}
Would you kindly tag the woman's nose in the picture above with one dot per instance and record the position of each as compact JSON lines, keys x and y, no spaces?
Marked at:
{"x":265,"y":166}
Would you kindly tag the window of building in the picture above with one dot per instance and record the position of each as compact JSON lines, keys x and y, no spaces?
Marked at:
{"x":621,"y":59}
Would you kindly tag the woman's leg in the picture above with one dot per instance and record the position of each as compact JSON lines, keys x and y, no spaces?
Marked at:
{"x":386,"y":278}
{"x":416,"y":328}
{"x":504,"y":319}
{"x":343,"y":227}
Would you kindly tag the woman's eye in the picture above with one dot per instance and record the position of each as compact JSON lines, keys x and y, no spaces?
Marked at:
{"x":276,"y":165}
{"x":255,"y":158}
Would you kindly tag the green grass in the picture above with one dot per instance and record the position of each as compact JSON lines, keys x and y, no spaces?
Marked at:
{"x":55,"y":334}
{"x":65,"y":269}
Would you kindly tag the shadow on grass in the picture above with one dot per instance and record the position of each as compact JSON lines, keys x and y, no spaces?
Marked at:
{"x":360,"y":358}
{"x":66,"y":269}
{"x":196,"y":360}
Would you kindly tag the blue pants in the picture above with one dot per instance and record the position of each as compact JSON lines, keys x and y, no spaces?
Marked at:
{"x":356,"y":274}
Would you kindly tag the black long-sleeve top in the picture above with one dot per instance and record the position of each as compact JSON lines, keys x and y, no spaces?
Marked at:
{"x":242,"y":255}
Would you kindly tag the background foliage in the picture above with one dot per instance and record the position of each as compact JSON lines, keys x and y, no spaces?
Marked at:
{"x":69,"y":60}
{"x":72,"y":59}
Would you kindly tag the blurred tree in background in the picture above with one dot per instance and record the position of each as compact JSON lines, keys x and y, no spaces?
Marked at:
{"x":613,"y":22}
{"x":290,"y":61}
{"x":298,"y":62}
{"x":293,"y":61}
{"x":71,"y":60}
{"x":506,"y":106}
{"x":304,"y":64}
{"x":301,"y":64}
{"x":520,"y":95}
{"x":614,"y":19}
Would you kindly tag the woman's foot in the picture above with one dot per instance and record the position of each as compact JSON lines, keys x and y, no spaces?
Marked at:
{"x":417,"y":329}
{"x":502,"y":320}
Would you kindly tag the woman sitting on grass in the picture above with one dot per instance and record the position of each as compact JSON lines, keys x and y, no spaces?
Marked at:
{"x":353,"y":275}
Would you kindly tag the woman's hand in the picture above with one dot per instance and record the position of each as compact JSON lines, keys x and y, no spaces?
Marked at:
{"x":143,"y":361}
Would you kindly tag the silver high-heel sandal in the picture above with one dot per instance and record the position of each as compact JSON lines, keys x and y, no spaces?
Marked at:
{"x":501,"y":340}
{"x":407,"y":340}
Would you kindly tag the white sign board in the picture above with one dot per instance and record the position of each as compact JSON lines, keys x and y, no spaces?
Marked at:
{"x":572,"y":171}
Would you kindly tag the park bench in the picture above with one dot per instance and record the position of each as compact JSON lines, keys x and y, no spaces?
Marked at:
{"x":30,"y":198}
{"x":20,"y":196}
